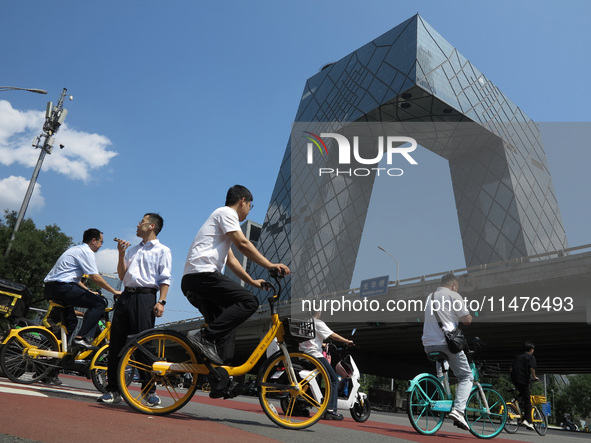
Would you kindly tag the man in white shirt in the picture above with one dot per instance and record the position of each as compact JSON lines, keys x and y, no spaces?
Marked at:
{"x":223,"y":302}
{"x":62,"y":284}
{"x":452,"y":310}
{"x":144,"y":270}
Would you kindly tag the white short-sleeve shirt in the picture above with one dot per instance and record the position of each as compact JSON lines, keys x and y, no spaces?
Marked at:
{"x":148,"y":265}
{"x":314,"y":347}
{"x":211,"y":245}
{"x":432,"y":333}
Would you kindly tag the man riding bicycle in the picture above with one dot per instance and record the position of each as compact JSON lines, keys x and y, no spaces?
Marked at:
{"x":224,"y":303}
{"x":522,"y":369}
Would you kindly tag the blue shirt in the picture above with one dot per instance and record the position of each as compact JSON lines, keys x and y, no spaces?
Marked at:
{"x":73,"y":264}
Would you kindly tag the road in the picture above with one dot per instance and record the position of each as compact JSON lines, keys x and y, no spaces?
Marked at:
{"x":70,"y":413}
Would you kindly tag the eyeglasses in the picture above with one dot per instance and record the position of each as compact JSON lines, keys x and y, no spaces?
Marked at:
{"x":251,"y":205}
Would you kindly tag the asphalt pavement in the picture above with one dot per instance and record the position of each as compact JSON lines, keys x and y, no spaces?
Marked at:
{"x":70,"y":413}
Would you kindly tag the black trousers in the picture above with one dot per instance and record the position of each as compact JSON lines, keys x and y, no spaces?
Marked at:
{"x":224,"y":304}
{"x":133,"y":313}
{"x":72,"y":295}
{"x":524,"y":399}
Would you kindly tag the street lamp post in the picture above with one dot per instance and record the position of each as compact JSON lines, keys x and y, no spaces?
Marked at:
{"x":54,"y":117}
{"x":396,"y":261}
{"x":14,"y":88}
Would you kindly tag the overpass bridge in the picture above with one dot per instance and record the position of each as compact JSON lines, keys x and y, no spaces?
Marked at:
{"x":544,"y":298}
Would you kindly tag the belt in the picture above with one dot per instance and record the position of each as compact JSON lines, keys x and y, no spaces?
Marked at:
{"x":141,"y":290}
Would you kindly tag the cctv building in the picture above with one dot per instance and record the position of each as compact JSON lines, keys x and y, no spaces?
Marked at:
{"x":505,"y":200}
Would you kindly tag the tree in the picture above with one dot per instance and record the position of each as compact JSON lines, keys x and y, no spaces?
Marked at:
{"x":575,"y":396}
{"x":33,"y":253}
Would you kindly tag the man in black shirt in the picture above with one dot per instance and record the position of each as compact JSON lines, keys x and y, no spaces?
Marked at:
{"x":522,"y":370}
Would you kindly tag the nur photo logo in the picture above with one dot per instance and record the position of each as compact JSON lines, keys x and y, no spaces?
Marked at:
{"x":390,"y":146}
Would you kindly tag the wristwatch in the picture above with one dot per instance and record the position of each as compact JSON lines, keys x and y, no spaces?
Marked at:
{"x":162,"y":302}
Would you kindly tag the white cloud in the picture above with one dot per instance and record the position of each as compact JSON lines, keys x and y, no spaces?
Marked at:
{"x":106,"y":260}
{"x":83,"y":151}
{"x":12,"y":193}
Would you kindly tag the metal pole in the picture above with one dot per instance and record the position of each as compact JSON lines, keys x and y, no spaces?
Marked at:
{"x":396,"y":261}
{"x":54,"y":117}
{"x":25,"y":205}
{"x":14,"y":88}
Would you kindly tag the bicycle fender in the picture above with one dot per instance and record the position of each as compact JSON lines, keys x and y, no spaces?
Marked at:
{"x":422,"y":376}
{"x":93,"y":364}
{"x":134,"y":338}
{"x":14,"y":332}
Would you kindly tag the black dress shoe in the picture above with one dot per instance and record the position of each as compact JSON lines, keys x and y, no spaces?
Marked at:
{"x":332,"y":415}
{"x":84,"y":343}
{"x":51,"y":381}
{"x":205,"y":347}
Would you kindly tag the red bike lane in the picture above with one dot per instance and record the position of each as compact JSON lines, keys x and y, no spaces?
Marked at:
{"x":52,"y":419}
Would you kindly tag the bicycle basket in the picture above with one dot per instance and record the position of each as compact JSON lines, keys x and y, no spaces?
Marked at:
{"x":538,"y":399}
{"x":490,"y":370}
{"x":298,"y":330}
{"x":14,"y":299}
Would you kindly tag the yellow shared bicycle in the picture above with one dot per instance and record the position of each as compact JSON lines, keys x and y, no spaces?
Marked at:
{"x":537,"y":419}
{"x":160,"y":355}
{"x":29,"y":354}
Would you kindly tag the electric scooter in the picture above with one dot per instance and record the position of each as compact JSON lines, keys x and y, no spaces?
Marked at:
{"x":354,"y":400}
{"x":350,"y":397}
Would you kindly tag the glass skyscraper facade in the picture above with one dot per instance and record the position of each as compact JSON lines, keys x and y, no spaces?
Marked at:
{"x":503,"y":191}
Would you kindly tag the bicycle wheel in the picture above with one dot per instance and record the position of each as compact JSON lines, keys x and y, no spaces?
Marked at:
{"x":140,"y":355}
{"x":18,"y":361}
{"x":540,"y":421}
{"x":99,"y":374}
{"x":485,"y":423}
{"x":312,"y":391}
{"x":513,"y":419}
{"x":421,"y":416}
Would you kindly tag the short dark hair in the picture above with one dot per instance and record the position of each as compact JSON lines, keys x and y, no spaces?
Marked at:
{"x":528,"y":346}
{"x":157,"y":220}
{"x":237,"y":193}
{"x":91,"y":233}
{"x":447,"y":279}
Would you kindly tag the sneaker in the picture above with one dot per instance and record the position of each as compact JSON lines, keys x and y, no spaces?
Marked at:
{"x":153,"y":400}
{"x":110,"y":397}
{"x":332,"y":415}
{"x":205,"y":347}
{"x":459,"y":420}
{"x":85,"y":343}
{"x":51,"y":381}
{"x":528,"y":425}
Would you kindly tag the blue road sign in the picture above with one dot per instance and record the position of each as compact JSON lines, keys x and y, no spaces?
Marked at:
{"x":374,"y":286}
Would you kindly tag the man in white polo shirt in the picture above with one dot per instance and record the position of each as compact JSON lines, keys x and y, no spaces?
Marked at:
{"x":224,"y":303}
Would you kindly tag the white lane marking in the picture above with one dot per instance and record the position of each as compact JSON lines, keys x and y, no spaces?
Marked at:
{"x":37,"y":390}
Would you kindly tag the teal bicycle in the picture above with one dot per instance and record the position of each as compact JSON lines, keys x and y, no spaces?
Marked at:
{"x":430,"y":399}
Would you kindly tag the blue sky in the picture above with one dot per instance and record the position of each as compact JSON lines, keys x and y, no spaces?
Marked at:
{"x":176,"y":101}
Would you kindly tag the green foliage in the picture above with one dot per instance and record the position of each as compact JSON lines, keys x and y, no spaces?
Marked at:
{"x":574,"y":397}
{"x":33,"y":253}
{"x":374,"y":381}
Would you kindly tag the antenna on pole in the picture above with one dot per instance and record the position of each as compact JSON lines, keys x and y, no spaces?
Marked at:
{"x":54,"y":118}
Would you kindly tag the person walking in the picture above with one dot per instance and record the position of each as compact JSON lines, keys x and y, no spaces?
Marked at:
{"x":144,"y":270}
